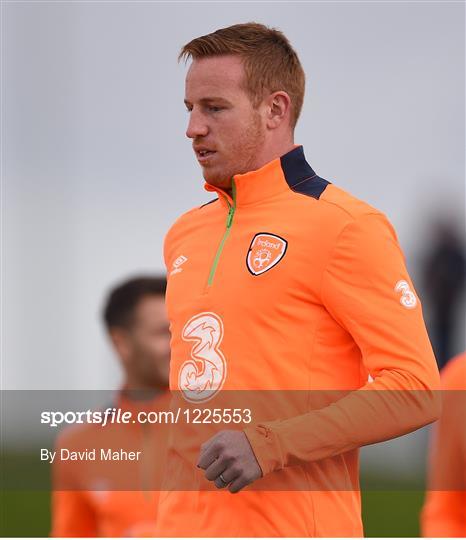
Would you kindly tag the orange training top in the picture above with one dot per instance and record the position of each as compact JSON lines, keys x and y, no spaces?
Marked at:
{"x":104,"y":498}
{"x":291,"y":284}
{"x":444,"y":512}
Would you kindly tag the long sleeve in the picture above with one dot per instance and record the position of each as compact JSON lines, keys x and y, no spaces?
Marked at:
{"x":367,"y":290}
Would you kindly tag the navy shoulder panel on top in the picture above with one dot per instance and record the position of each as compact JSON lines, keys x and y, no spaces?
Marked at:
{"x":300,"y":176}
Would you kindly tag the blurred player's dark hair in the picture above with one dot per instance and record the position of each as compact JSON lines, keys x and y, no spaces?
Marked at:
{"x":121,"y":301}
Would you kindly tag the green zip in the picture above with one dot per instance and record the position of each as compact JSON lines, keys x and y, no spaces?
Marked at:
{"x":231,"y":213}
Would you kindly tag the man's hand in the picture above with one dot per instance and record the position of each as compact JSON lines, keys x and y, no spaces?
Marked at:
{"x":230,"y":455}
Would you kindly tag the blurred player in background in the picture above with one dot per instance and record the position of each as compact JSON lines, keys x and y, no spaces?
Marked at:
{"x":134,"y":315}
{"x":444,"y":280}
{"x":284,"y":282}
{"x":444,"y":512}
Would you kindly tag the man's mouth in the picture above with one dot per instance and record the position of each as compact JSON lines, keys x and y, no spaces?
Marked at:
{"x":204,"y":155}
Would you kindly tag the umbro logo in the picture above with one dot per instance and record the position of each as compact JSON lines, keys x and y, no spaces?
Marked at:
{"x":176,"y":265}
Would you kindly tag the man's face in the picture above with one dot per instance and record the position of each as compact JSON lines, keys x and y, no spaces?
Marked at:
{"x":147,"y":350}
{"x":222,"y":119}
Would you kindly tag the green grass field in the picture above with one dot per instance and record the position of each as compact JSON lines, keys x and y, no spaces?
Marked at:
{"x":393,"y":512}
{"x":385,"y":513}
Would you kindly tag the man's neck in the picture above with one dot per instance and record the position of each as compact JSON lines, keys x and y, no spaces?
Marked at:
{"x":266,"y":155}
{"x":273,"y":151}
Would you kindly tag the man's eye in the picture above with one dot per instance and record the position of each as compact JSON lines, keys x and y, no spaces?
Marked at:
{"x":215,"y":109}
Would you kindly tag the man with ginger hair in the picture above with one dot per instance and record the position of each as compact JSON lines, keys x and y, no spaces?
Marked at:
{"x":283,"y":283}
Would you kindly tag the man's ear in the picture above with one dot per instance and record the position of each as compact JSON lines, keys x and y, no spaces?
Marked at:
{"x":120,"y":340}
{"x":278,"y":109}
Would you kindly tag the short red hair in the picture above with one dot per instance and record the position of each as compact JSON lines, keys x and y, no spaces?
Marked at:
{"x":270,"y":62}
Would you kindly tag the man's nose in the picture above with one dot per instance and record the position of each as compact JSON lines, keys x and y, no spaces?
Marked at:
{"x":197,"y":127}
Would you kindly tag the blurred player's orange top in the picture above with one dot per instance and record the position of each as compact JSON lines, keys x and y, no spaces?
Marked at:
{"x":110,"y":499}
{"x":291,"y":283}
{"x":444,"y":512}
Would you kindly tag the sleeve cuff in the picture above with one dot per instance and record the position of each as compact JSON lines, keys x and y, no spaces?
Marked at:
{"x":266,"y":447}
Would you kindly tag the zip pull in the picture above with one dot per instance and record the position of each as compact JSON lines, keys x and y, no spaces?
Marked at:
{"x":232,"y":207}
{"x":230,"y":216}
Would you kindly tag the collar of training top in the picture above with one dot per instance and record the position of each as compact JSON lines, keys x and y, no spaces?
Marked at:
{"x":290,"y":171}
